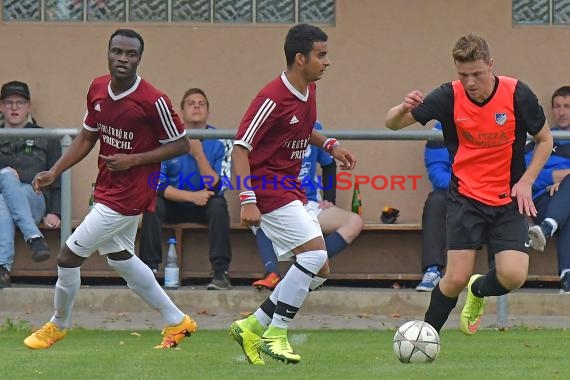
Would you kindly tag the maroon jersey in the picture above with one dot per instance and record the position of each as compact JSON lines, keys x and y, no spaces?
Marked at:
{"x":135,"y":121}
{"x":276,"y":129}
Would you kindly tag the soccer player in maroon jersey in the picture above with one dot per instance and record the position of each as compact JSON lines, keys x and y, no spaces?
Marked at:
{"x":137,"y":129}
{"x":269,"y":147}
{"x":485,"y":120}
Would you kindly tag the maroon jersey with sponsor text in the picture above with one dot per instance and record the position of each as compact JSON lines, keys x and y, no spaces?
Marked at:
{"x":135,"y":121}
{"x":276,"y":129}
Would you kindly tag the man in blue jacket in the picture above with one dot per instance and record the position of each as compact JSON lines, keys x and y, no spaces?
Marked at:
{"x":551,"y":190}
{"x":438,"y":164}
{"x":193,"y":191}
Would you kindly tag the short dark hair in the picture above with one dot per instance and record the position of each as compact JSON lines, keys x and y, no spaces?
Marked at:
{"x":300,"y":39}
{"x":192,"y":91}
{"x":128,"y":33}
{"x":563,"y":91}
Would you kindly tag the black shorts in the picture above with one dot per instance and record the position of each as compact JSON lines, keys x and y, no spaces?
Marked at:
{"x":470,"y":224}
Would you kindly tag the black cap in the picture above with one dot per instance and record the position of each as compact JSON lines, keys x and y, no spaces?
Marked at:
{"x":15,"y":88}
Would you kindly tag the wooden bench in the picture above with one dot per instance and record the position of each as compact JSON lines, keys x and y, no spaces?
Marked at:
{"x":383,"y":252}
{"x":253,"y":268}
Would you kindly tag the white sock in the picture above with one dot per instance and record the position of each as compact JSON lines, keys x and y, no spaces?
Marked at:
{"x":141,"y":280}
{"x":261,"y":316}
{"x":66,"y":287}
{"x":295,"y":285}
{"x":275,"y":294}
{"x":553,"y":223}
{"x":263,"y":319}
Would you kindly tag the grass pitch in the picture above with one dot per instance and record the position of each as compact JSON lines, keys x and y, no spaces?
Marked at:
{"x":326,"y":354}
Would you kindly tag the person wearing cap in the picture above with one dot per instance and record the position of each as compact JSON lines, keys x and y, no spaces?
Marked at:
{"x":20,"y":159}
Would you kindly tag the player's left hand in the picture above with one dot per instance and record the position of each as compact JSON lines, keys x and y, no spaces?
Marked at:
{"x":118,"y":162}
{"x":522,"y":192}
{"x":347,"y":160}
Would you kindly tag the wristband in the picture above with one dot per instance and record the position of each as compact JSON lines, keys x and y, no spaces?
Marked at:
{"x":246,"y":197}
{"x":330,"y":144}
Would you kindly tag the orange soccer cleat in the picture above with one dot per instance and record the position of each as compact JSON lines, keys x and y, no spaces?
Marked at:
{"x":270,"y":281}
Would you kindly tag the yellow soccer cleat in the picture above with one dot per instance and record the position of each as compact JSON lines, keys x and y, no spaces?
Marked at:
{"x":173,"y":335}
{"x":45,"y":337}
{"x":472,"y":311}
{"x":248,"y":341}
{"x":277,"y":346}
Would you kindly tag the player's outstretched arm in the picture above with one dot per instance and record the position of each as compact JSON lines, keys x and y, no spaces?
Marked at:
{"x":79,"y":148}
{"x":399,"y":117}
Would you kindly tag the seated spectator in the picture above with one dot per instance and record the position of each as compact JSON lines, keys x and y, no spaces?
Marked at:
{"x":551,"y":190}
{"x":341,"y":227}
{"x":194,"y":200}
{"x":438,"y":164}
{"x":20,"y":159}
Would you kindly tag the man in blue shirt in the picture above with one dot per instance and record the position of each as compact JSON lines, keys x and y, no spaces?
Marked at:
{"x":551,"y":190}
{"x":341,"y":227}
{"x":438,"y":164}
{"x":194,"y":192}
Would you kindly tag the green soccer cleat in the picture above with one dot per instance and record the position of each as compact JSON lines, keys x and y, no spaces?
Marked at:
{"x":277,"y":346}
{"x":472,"y":311}
{"x":248,"y":341}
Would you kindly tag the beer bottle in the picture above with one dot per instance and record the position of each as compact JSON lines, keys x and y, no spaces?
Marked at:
{"x":356,"y":200}
{"x":92,"y":197}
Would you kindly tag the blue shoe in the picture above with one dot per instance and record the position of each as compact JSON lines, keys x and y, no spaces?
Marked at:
{"x":430,"y":280}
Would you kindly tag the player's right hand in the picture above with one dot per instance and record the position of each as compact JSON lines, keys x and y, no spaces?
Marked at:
{"x":412,"y":100}
{"x":250,"y":215}
{"x":42,"y":179}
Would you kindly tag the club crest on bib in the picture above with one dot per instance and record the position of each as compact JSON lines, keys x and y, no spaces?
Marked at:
{"x":501,"y":118}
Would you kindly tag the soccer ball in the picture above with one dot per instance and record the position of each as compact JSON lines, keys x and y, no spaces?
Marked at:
{"x":416,"y":342}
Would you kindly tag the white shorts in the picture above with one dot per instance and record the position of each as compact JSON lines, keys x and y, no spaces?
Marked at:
{"x":313,"y":207}
{"x":105,"y":230}
{"x":289,"y":227}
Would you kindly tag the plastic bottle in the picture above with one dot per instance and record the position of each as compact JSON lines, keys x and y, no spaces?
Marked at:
{"x":92,"y":197}
{"x":171,"y":270}
{"x":356,"y":200}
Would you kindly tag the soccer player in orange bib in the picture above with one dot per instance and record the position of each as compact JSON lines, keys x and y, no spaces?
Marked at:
{"x":485,"y":120}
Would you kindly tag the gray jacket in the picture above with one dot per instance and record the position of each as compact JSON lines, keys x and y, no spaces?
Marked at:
{"x":29,"y":156}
